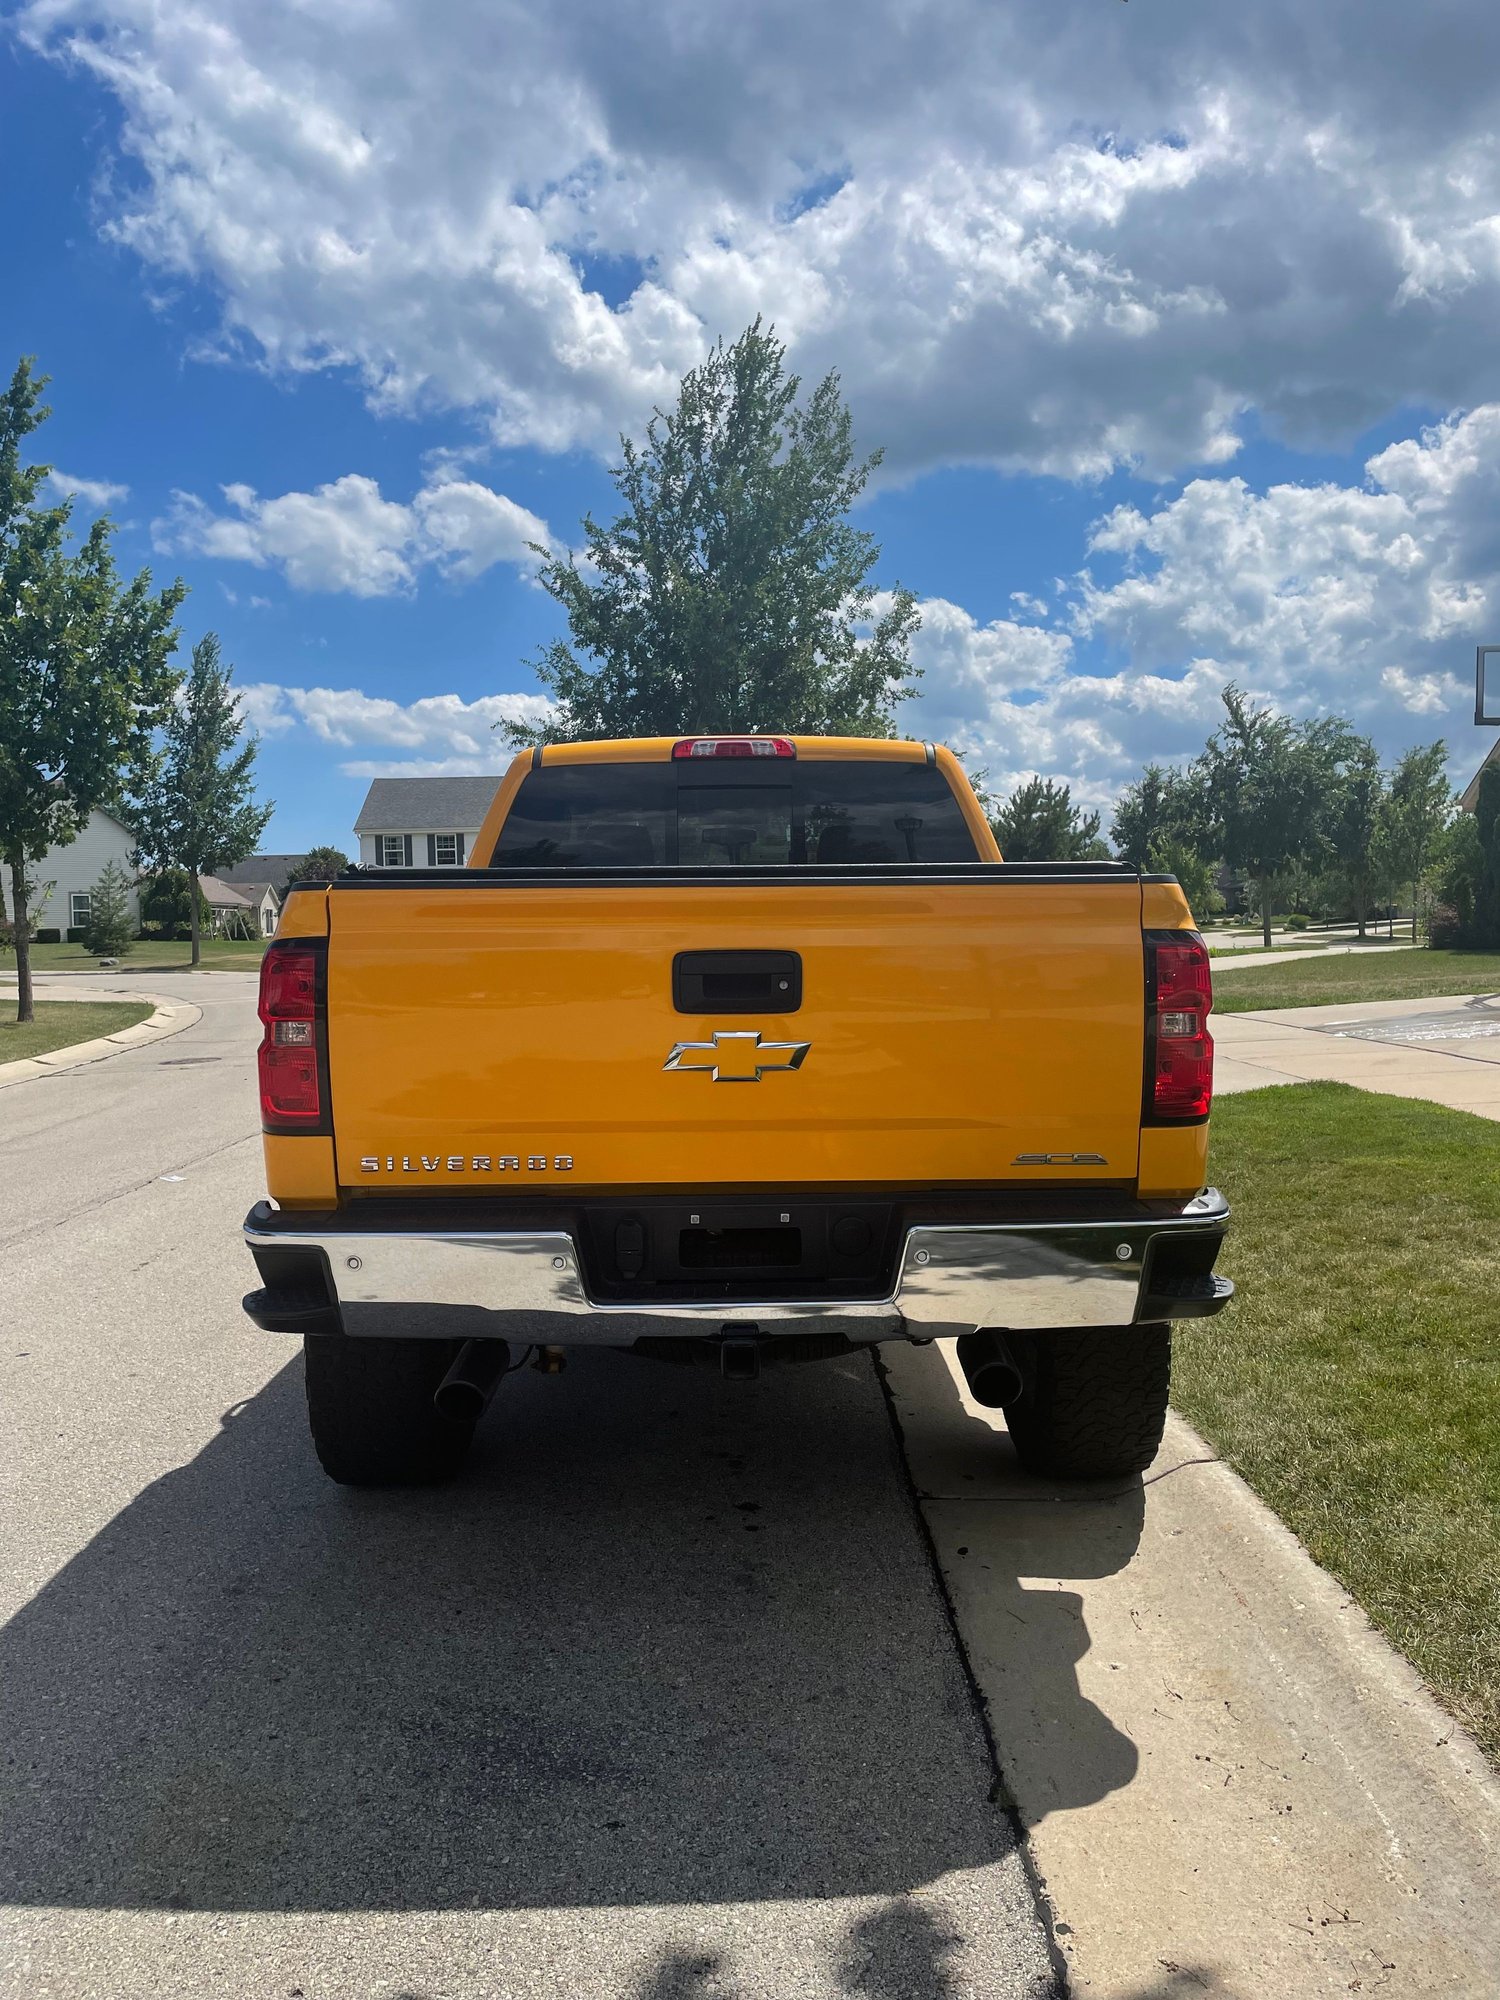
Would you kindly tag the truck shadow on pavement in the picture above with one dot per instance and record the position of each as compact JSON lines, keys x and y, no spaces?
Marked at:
{"x":670,"y":1641}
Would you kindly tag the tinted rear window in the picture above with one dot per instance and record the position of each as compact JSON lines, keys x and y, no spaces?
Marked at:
{"x":735,"y":815}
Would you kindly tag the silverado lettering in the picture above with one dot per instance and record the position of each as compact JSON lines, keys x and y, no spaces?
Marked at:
{"x":1002,"y":1136}
{"x":479,"y":1163}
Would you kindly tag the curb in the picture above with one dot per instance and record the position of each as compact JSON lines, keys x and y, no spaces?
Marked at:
{"x":1220,"y":1763}
{"x":171,"y":1016}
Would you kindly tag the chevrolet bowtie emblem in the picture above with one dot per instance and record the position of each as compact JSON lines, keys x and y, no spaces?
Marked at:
{"x":736,"y":1055}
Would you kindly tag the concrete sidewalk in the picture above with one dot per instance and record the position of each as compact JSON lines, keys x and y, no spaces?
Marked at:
{"x":1230,"y":1783}
{"x":1233,"y":958}
{"x":1445,"y":1050}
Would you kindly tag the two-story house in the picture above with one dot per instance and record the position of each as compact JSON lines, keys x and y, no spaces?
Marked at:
{"x":422,"y":822}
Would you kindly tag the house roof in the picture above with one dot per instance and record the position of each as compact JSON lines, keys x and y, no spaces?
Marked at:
{"x":256,"y":892}
{"x":426,"y":805}
{"x":1468,"y":798}
{"x":276,"y":868}
{"x":219,"y":896}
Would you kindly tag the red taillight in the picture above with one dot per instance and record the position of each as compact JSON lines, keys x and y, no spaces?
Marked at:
{"x":1180,"y":990}
{"x":734,"y":746}
{"x":291,"y":1096}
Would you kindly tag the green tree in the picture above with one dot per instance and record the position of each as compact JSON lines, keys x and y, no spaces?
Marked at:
{"x":1264,"y":783}
{"x":319,"y":864}
{"x":1160,"y":824}
{"x":1143,"y":815}
{"x":1485,"y":923}
{"x":1355,"y":820}
{"x":108,"y":927}
{"x":85,"y":668}
{"x":1418,"y":807}
{"x":167,"y":904}
{"x":1172,"y":855}
{"x":731,"y":593}
{"x":1039,"y":822}
{"x":195,"y":808}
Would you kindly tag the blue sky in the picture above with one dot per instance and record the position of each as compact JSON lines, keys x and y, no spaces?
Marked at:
{"x":1179,"y":335}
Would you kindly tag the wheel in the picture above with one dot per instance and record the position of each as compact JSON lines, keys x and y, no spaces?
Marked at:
{"x":1093,"y":1401}
{"x":369,"y":1406}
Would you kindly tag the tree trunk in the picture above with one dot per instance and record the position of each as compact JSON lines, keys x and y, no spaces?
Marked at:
{"x":1361,"y":908}
{"x":25,"y":1007}
{"x":193,"y":917}
{"x":1265,"y":909}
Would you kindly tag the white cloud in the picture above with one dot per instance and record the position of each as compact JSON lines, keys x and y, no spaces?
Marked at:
{"x":1316,"y":594}
{"x":1364,"y":601}
{"x":1359,"y":600}
{"x":470,"y":528}
{"x":95,"y":493}
{"x":446,"y":735}
{"x":346,"y":537}
{"x":1105,"y":241}
{"x":263,"y":708}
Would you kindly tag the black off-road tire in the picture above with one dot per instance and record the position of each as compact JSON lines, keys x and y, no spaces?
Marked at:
{"x":370,"y":1409}
{"x":1094,"y":1400}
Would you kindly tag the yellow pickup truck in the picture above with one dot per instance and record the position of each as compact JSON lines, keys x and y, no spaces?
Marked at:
{"x":740,"y":1050}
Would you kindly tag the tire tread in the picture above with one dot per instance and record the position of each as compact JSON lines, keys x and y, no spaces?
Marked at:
{"x":370,"y":1410}
{"x":1095,"y":1401}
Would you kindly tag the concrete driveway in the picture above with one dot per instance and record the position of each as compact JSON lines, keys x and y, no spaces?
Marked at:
{"x":1447,"y":1050}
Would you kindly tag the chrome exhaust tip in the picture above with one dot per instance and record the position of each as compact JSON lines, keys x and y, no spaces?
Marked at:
{"x":989,"y":1368}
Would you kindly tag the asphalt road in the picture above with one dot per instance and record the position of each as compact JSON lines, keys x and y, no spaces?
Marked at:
{"x":660,"y":1701}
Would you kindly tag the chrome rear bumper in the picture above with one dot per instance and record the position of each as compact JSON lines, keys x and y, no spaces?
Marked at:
{"x":327,"y":1274}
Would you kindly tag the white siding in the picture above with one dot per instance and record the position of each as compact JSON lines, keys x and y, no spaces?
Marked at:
{"x":369,"y":845}
{"x":76,"y":868}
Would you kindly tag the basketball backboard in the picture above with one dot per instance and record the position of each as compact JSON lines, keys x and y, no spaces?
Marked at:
{"x":1487,"y":685}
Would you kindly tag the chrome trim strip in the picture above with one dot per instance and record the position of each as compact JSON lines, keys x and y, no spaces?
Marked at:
{"x":951,"y":1278}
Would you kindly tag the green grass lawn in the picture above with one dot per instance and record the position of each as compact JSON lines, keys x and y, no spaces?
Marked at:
{"x":149,"y":955}
{"x":1355,"y":1381}
{"x":1383,"y":975}
{"x":61,"y":1023}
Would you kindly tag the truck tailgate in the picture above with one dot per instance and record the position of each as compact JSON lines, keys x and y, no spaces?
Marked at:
{"x":494,"y":1032}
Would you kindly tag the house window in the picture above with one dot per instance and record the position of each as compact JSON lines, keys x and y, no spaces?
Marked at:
{"x":81,"y":909}
{"x":447,"y":850}
{"x":393,"y":850}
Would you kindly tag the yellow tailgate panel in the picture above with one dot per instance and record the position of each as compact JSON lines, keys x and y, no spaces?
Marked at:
{"x":506,"y":1037}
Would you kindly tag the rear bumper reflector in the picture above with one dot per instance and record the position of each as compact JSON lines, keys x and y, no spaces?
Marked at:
{"x":530,"y":1285}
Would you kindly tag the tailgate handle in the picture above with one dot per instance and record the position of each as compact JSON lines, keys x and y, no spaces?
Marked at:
{"x":737,"y":982}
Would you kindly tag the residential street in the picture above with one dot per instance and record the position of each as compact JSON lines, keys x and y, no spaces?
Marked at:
{"x":660,"y":1701}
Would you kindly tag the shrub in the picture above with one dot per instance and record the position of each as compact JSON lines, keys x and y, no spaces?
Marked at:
{"x":166,"y":905}
{"x":1456,"y":912}
{"x":50,"y":936}
{"x":107,"y":932}
{"x":1445,"y":928}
